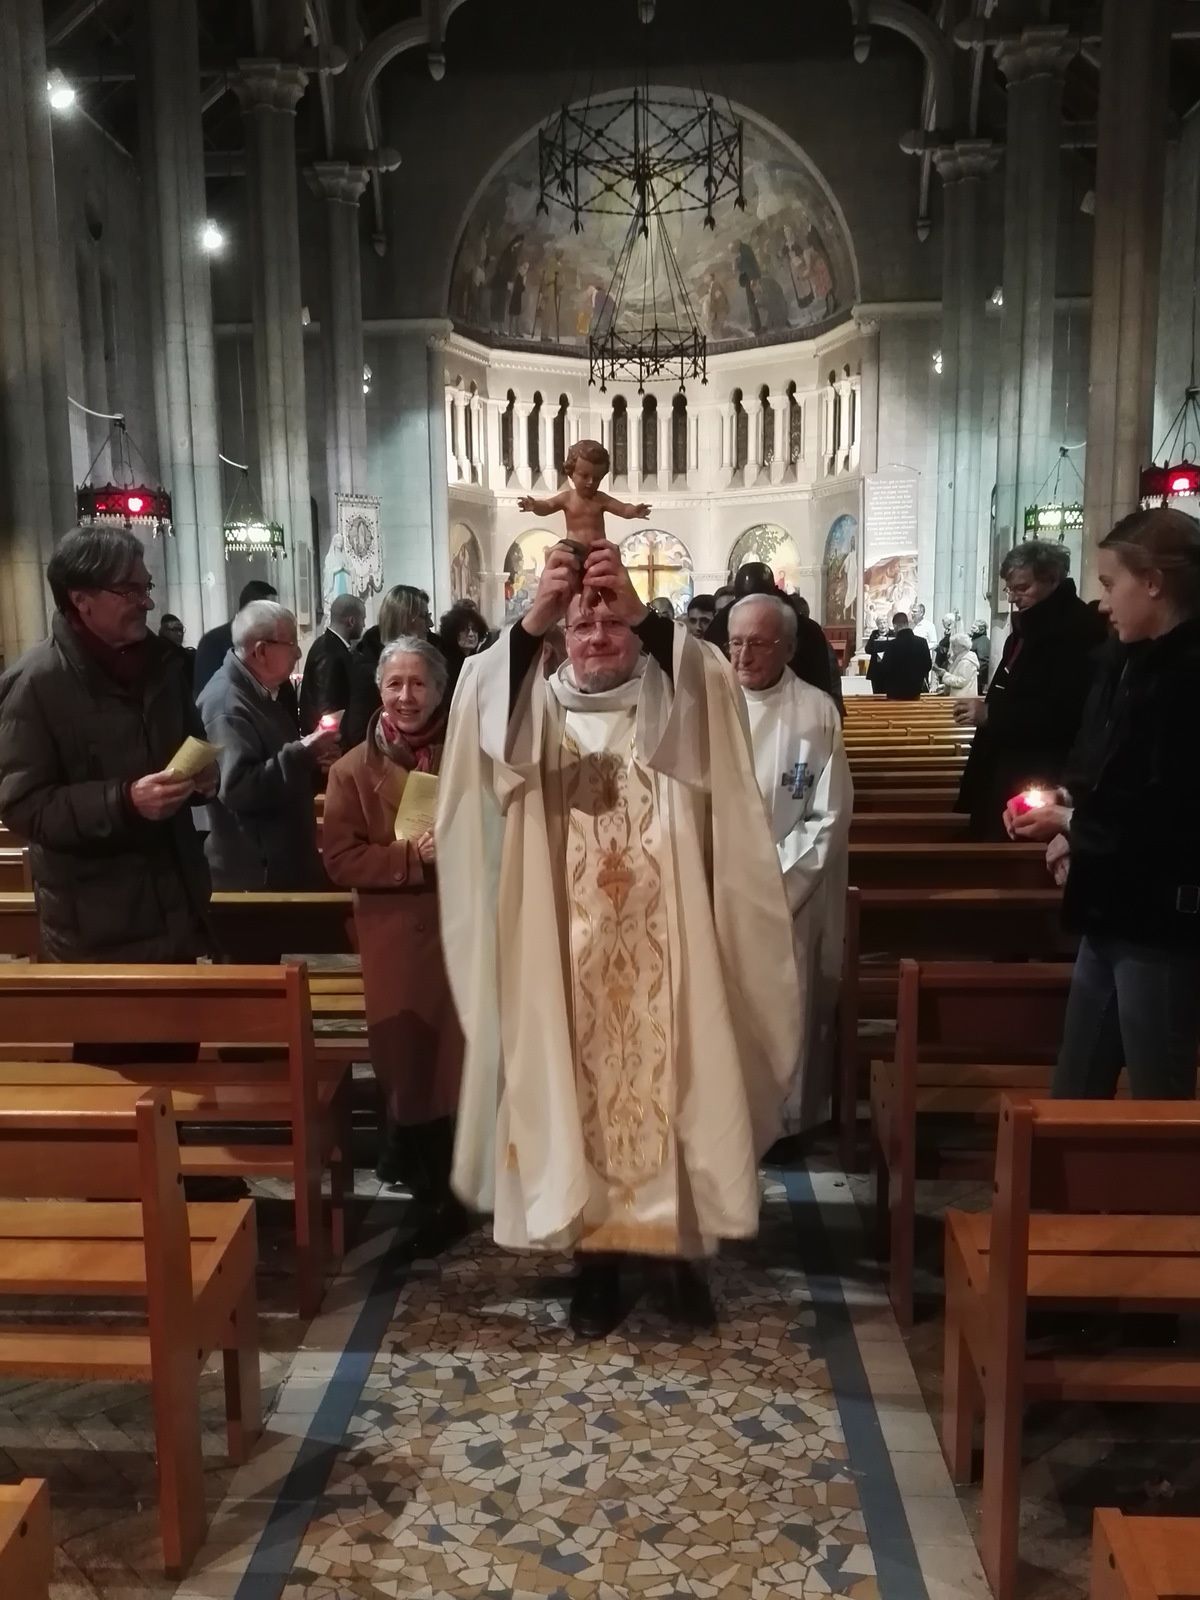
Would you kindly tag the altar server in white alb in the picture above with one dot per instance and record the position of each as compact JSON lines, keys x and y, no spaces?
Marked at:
{"x":614,"y":919}
{"x":800,"y":761}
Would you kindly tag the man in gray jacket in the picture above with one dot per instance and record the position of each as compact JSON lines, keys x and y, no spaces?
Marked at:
{"x":262,"y":824}
{"x":89,"y":720}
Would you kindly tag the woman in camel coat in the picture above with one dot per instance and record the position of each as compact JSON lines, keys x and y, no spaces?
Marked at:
{"x":416,"y":1043}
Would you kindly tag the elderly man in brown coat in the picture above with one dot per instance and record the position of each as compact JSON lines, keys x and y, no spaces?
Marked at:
{"x":89,"y":720}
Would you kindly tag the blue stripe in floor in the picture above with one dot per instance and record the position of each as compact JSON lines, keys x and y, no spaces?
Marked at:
{"x":274,"y":1557}
{"x":897,"y":1568}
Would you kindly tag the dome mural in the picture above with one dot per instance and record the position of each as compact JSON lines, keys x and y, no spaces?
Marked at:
{"x":781,"y":269}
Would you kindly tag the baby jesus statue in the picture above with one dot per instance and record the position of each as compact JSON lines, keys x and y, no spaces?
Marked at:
{"x":581,"y":502}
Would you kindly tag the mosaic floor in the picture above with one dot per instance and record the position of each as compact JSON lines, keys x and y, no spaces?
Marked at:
{"x":491,"y":1455}
{"x":438,"y":1434}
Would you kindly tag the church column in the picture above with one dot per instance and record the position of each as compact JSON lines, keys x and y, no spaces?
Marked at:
{"x":782,"y":410}
{"x":36,"y":500}
{"x":185,"y":368}
{"x":269,"y":92}
{"x":1125,"y":265}
{"x":1034,"y":66}
{"x":340,"y":186}
{"x":522,"y":476}
{"x":964,"y":168}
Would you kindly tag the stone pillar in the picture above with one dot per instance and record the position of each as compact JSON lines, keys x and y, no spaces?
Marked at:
{"x":439,"y":499}
{"x":1034,"y":67}
{"x":1130,"y":166}
{"x":36,"y":500}
{"x":961,"y":531}
{"x":340,"y":186}
{"x":269,"y":92}
{"x":181,"y":313}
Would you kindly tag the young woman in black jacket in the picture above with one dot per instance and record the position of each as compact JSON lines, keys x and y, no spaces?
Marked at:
{"x":1126,"y":835}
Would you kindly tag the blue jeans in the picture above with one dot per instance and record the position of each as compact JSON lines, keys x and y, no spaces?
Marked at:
{"x":1135,"y":1007}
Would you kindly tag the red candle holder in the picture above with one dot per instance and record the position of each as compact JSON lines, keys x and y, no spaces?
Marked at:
{"x":1032,"y":799}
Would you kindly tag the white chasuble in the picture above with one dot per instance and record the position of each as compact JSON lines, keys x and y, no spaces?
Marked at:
{"x":800,"y":761}
{"x":617,"y":938}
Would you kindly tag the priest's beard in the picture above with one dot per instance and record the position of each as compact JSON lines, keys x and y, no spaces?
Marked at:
{"x":601,"y":679}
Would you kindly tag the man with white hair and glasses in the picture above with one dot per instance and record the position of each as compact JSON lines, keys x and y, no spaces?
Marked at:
{"x":262,"y":823}
{"x":804,"y":776}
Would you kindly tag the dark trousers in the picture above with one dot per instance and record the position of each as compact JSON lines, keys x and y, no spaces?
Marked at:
{"x":1130,"y":1006}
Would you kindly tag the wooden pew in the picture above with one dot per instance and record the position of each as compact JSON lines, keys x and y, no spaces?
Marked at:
{"x":882,"y":925}
{"x":250,"y":926}
{"x":14,"y":870}
{"x":26,"y":1549}
{"x":908,"y":769}
{"x":261,"y":1013}
{"x":874,"y":795}
{"x":908,"y":827}
{"x":1144,"y":1558}
{"x":913,"y":865}
{"x":1096,"y":1204}
{"x":119,"y":1231}
{"x":966,"y":1034}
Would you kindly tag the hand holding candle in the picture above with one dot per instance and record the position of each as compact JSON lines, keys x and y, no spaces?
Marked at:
{"x":1037,"y":815}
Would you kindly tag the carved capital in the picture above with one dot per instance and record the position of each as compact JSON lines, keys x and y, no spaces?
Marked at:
{"x":966,"y":159}
{"x":1041,"y":51}
{"x":268,"y":85}
{"x":337,"y":180}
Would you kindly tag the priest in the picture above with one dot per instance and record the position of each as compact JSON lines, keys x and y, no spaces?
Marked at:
{"x":802,"y":770}
{"x":614,"y":919}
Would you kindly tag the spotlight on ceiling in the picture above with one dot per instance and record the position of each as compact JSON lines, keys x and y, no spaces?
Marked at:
{"x":937,"y":362}
{"x":212,"y":239}
{"x":436,"y":61}
{"x":862,"y":47}
{"x":646,"y":11}
{"x":60,"y":92}
{"x":997,"y":296}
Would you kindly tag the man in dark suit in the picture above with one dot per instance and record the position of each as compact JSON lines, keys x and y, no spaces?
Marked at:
{"x":216,"y":644}
{"x":902,"y":670}
{"x":326,"y":683}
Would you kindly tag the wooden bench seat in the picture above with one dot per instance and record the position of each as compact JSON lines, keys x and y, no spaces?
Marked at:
{"x":183,"y":1274}
{"x":908,"y":827}
{"x":927,"y":798}
{"x":1144,"y":1558}
{"x":884,"y":925}
{"x":250,"y":926}
{"x":26,"y":1548}
{"x":259,"y":1013}
{"x":967,"y":1032}
{"x":1095,"y":1204}
{"x":911,"y":864}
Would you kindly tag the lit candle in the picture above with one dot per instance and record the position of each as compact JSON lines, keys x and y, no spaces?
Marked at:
{"x":329,"y":722}
{"x":1029,"y":800}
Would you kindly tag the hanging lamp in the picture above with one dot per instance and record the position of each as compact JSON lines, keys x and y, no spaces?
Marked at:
{"x":245,"y":530}
{"x":131,"y":500}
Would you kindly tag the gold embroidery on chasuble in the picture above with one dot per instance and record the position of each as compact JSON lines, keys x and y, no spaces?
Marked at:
{"x":620,"y":979}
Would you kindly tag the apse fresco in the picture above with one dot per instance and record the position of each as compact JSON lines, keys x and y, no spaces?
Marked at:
{"x":780,"y":269}
{"x":841,"y":570}
{"x":466,"y":565}
{"x":768,"y":542}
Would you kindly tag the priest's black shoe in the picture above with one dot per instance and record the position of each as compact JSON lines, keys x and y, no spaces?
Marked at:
{"x":596,"y":1303}
{"x":687,"y":1296}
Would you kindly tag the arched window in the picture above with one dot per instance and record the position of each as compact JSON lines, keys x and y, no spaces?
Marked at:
{"x":679,"y":436}
{"x":741,"y":432}
{"x":767,"y":421}
{"x":835,"y":421}
{"x":649,"y":436}
{"x":507,"y":423}
{"x":533,"y":435}
{"x":852,"y":408}
{"x":620,"y":438}
{"x":795,"y":425}
{"x":560,"y":433}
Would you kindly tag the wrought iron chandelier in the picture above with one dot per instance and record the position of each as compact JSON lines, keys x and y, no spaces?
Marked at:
{"x":1179,"y":476}
{"x":646,"y":159}
{"x":1054,"y":518}
{"x":131,"y":500}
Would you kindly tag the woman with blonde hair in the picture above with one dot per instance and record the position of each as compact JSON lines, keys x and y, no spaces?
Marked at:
{"x":416,"y":1043}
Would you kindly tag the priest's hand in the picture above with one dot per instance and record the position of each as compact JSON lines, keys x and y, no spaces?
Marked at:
{"x":557,"y":587}
{"x":604,"y":572}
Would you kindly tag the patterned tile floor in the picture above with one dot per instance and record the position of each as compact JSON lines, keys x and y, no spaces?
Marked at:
{"x":440,"y":1434}
{"x":491,"y":1454}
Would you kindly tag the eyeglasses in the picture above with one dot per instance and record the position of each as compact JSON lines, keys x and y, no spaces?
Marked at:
{"x":130,"y":591}
{"x":609,"y":629}
{"x":284,"y":644}
{"x":752,"y":644}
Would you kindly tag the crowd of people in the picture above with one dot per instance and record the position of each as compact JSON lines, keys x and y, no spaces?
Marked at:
{"x":569,"y":1011}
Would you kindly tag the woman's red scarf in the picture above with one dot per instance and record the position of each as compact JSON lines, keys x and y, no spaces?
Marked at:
{"x":412,"y":751}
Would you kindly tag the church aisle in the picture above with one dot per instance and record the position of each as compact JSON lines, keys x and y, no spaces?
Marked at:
{"x":489,"y":1454}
